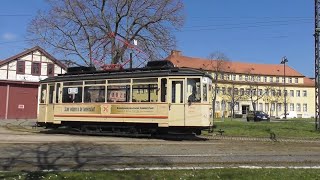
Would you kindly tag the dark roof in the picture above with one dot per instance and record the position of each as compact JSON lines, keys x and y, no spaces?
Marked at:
{"x":135,"y":73}
{"x":28,"y":51}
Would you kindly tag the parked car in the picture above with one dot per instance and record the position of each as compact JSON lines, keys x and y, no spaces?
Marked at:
{"x":290,"y":115}
{"x":257,"y":116}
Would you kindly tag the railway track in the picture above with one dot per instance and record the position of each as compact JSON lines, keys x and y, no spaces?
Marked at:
{"x":178,"y":137}
{"x":125,"y":161}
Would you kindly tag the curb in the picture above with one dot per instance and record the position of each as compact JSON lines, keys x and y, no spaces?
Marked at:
{"x":260,"y":139}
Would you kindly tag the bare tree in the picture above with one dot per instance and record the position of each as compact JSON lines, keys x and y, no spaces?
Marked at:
{"x":93,"y":30}
{"x":219,"y":63}
{"x":233,"y":96}
{"x":253,"y":92}
{"x":273,"y":95}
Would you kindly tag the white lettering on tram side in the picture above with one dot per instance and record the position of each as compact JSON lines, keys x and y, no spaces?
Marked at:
{"x":79,"y":109}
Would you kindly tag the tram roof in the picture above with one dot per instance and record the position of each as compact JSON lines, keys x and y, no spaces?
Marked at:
{"x":127,"y":73}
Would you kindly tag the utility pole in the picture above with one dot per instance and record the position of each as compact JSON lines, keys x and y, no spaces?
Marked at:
{"x":317,"y":63}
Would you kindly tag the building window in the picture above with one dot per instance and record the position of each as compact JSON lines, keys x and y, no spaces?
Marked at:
{"x":246,"y":77}
{"x":229,"y":90}
{"x":291,"y":93}
{"x":279,"y":93}
{"x":253,"y":78}
{"x":241,"y":91}
{"x":50,"y":70}
{"x":291,"y":107}
{"x":279,"y":107}
{"x":217,"y":105}
{"x":296,"y":80}
{"x":260,"y":93}
{"x":273,"y":92}
{"x":273,"y":106}
{"x":271,"y":79}
{"x":290,"y":80}
{"x":223,"y":105}
{"x":305,"y":107}
{"x":254,"y":92}
{"x":234,"y":77}
{"x":298,"y":107}
{"x":283,"y":79}
{"x":236,"y":106}
{"x":217,"y":90}
{"x":20,"y":67}
{"x":35,"y":68}
{"x":236,"y":91}
{"x":259,"y":78}
{"x":228,"y":76}
{"x":240,"y":77}
{"x":277,"y":79}
{"x":304,"y":93}
{"x":223,"y":89}
{"x":298,"y":93}
{"x":265,"y":79}
{"x":266,"y":107}
{"x":260,"y":107}
{"x":248,"y":92}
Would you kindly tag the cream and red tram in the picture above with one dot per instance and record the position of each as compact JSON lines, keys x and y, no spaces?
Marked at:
{"x":145,"y":100}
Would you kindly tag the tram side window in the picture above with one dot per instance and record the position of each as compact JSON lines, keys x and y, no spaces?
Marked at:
{"x":51,"y":91}
{"x":205,"y":92}
{"x":163,"y":90}
{"x":118,"y":93}
{"x":145,"y":93}
{"x":57,"y":92}
{"x":43,"y":93}
{"x":94,"y":93}
{"x":72,"y":94}
{"x":193,"y":90}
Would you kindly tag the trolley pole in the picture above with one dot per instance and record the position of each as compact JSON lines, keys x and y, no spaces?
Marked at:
{"x":317,"y":63}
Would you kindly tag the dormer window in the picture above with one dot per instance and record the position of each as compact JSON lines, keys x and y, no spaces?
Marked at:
{"x":36,"y":69}
{"x":20,"y":67}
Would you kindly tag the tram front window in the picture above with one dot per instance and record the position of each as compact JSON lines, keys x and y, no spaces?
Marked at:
{"x":193,"y":91}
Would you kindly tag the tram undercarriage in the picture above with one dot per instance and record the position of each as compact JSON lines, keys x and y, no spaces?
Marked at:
{"x":123,"y":128}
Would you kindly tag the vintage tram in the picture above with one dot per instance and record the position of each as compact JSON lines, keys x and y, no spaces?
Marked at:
{"x":158,"y":98}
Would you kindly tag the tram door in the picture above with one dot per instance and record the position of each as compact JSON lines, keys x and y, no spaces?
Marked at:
{"x":176,"y":102}
{"x":49,"y":109}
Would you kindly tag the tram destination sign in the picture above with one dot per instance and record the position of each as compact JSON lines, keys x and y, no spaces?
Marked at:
{"x":72,"y":90}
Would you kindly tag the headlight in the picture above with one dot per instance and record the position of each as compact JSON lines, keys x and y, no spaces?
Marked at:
{"x":258,"y":116}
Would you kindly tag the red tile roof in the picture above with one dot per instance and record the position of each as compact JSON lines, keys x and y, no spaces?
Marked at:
{"x":238,"y":67}
{"x":230,"y":66}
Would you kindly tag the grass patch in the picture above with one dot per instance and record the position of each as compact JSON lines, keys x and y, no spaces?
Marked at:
{"x":229,"y":173}
{"x":303,"y":128}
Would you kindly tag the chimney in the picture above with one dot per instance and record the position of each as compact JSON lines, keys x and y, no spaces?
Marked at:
{"x":176,"y":53}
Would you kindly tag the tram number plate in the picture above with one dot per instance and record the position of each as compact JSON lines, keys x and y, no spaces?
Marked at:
{"x":72,"y":90}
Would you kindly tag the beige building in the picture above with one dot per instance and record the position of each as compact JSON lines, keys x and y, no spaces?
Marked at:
{"x":241,"y":87}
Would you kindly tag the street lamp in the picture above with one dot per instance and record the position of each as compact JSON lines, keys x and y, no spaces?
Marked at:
{"x":284,"y":61}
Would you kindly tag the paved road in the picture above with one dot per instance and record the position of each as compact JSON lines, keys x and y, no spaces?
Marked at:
{"x":30,"y":151}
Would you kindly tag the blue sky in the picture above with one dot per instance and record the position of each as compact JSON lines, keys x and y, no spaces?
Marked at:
{"x":251,"y":31}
